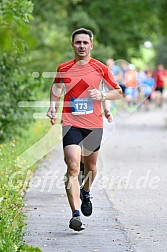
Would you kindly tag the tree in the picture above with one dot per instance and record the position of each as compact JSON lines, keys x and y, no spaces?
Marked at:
{"x":15,"y":83}
{"x":161,"y":49}
{"x":121,"y":25}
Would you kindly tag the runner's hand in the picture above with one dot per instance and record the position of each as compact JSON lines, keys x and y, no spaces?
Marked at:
{"x":52,"y":115}
{"x":95,"y":94}
{"x":108,"y":115}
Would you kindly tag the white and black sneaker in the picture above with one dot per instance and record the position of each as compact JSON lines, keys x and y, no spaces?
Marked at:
{"x":76,"y":223}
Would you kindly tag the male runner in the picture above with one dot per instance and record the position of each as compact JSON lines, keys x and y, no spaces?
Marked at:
{"x":82,"y":124}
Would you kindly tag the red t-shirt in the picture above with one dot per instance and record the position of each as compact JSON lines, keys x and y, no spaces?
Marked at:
{"x":159,"y":77}
{"x":79,"y":110}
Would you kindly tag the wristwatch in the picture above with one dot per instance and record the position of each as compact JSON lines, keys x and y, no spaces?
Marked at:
{"x":103,"y":95}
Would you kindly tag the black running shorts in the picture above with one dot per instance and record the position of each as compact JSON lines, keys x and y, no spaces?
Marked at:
{"x":90,"y":139}
{"x":160,"y":89}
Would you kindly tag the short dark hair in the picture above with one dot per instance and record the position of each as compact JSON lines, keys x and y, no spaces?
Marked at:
{"x":82,"y":31}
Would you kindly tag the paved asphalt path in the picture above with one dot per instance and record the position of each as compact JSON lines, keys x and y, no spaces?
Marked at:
{"x":48,"y":215}
{"x":134,"y":158}
{"x":129,"y":193}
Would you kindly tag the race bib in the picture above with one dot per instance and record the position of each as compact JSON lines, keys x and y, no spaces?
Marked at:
{"x":81,"y":106}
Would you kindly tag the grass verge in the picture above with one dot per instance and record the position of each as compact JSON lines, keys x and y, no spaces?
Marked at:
{"x":18,"y":156}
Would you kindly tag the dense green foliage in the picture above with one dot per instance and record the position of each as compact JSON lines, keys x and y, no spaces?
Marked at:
{"x":161,"y":49}
{"x":120,"y":27}
{"x":13,"y":182}
{"x":16,"y":83}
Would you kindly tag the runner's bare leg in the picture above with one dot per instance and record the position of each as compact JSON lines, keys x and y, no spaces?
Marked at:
{"x":72,"y":154}
{"x":90,"y":169}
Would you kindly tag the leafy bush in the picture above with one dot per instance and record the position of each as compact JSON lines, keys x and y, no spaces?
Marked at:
{"x":12,"y":178}
{"x":16,"y":86}
{"x":15,"y":83}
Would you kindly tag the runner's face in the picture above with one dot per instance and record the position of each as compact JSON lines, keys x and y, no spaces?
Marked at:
{"x":82,"y":45}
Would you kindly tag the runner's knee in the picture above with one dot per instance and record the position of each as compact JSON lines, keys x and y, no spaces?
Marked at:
{"x":91,"y":167}
{"x":72,"y":168}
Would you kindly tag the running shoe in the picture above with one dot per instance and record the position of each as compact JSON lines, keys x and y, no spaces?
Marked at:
{"x":86,"y":205}
{"x":76,"y":223}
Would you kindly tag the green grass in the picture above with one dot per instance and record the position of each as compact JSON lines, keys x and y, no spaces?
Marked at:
{"x":12,"y":186}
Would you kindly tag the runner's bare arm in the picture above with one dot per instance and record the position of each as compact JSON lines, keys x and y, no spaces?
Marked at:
{"x":106,"y":109}
{"x":55,"y":94}
{"x":112,"y":94}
